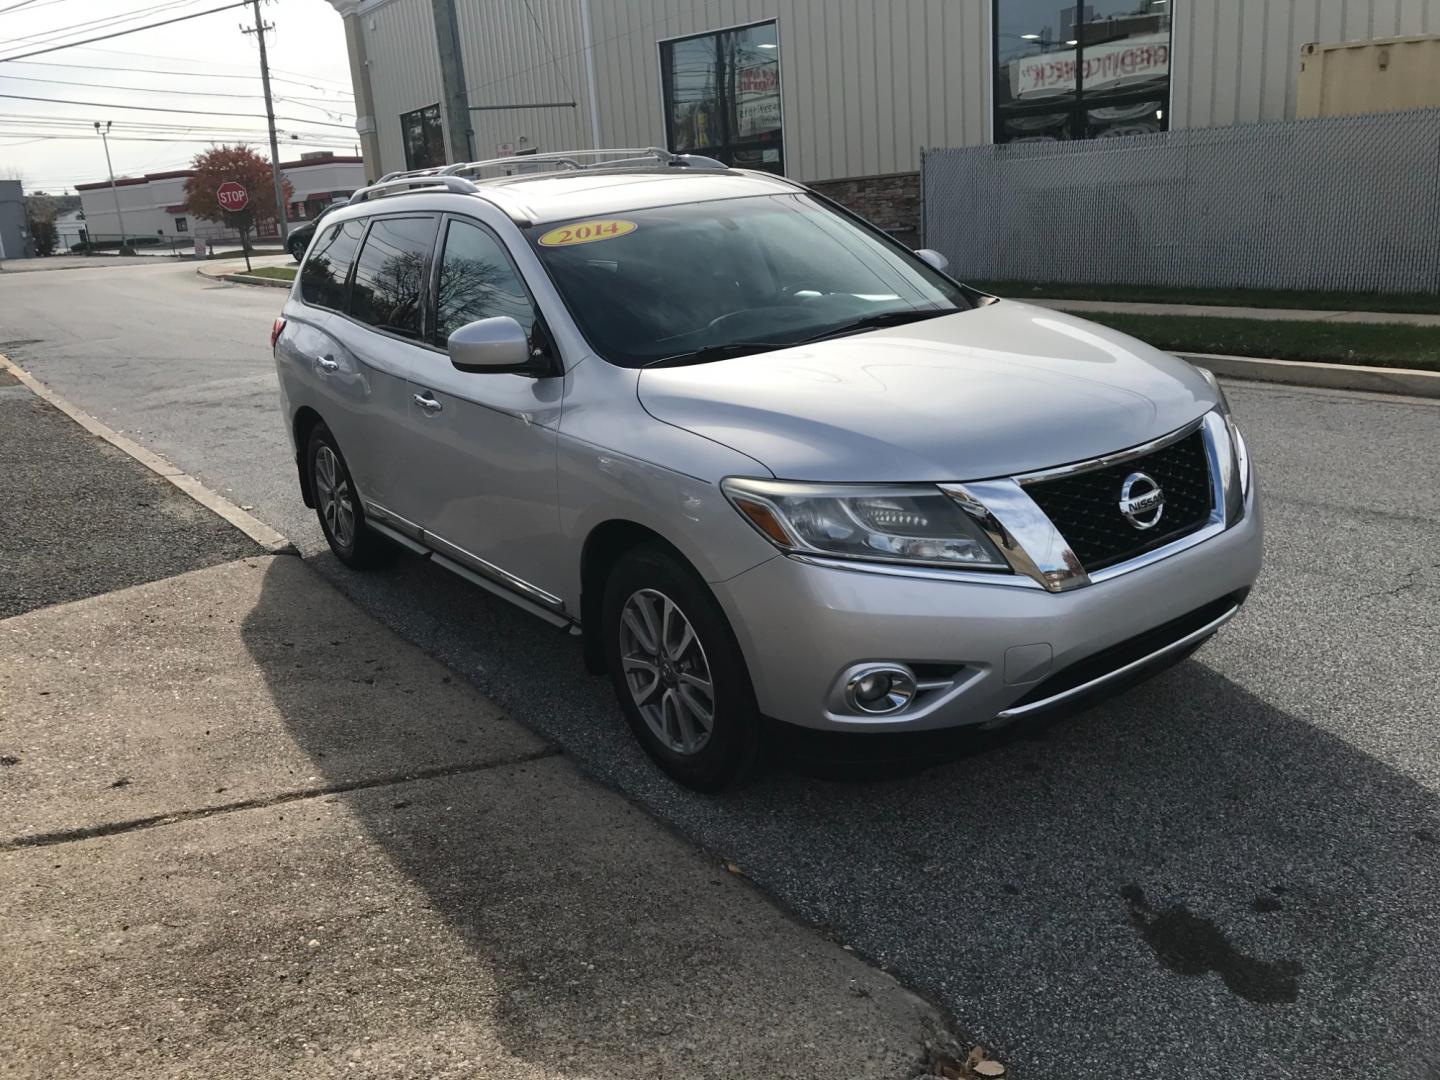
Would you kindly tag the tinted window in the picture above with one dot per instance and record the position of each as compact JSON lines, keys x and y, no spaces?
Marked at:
{"x":772,"y":269}
{"x":322,"y":282}
{"x":390,"y":274}
{"x":1081,"y":71}
{"x":722,"y":96}
{"x":424,"y":138}
{"x":477,"y":281}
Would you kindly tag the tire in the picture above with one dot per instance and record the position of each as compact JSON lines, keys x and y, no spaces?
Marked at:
{"x":342,"y":518}
{"x":667,"y":714}
{"x":297,"y":252}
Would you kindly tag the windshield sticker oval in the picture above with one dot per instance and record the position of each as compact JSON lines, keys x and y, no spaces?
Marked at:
{"x":587,"y":232}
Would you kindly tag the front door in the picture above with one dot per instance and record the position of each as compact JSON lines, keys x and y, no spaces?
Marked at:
{"x":484,"y":443}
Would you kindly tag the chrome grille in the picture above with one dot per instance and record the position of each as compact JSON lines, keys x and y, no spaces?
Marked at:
{"x":1085,"y":506}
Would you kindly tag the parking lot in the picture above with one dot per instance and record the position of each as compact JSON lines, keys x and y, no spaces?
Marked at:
{"x":1230,"y":868}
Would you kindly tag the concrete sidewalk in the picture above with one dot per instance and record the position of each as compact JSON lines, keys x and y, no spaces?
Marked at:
{"x":249,"y":832}
{"x":1081,"y":307}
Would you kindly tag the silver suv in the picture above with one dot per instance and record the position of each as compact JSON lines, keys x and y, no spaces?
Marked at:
{"x":767,"y":461}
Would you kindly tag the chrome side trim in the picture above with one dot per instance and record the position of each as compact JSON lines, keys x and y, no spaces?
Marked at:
{"x":1174,"y":647}
{"x":1021,"y":532}
{"x":920,"y":573}
{"x":499,"y":576}
{"x":1117,"y":458}
{"x":394,"y":520}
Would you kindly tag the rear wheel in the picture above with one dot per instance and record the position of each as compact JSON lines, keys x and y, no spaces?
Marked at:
{"x":678,"y":671}
{"x":297,"y":250}
{"x":337,"y":504}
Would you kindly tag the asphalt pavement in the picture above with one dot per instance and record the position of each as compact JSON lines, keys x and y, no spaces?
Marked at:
{"x":1232,"y":867}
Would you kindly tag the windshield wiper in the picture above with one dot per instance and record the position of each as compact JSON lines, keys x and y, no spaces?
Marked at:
{"x":881,"y":319}
{"x":717,"y":352}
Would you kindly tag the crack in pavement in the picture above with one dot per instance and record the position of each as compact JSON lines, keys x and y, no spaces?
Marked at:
{"x":114,"y":828}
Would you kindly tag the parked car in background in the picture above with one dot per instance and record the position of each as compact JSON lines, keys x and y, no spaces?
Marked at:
{"x":300,"y":236}
{"x":767,"y":461}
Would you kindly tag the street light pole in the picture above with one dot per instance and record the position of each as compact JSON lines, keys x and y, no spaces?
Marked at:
{"x":104,"y":133}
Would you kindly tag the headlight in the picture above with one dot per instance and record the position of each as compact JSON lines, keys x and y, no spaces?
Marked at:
{"x":1237,"y":441}
{"x":907,"y":524}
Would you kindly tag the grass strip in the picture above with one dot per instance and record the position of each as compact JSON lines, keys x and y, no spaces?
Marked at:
{"x":279,"y":273}
{"x":1420,"y":303}
{"x":1371,"y":344}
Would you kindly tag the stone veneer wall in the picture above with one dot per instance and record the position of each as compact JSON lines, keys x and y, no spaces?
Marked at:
{"x":891,"y":201}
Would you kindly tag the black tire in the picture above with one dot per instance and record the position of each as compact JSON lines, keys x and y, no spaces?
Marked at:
{"x":358,"y":546}
{"x":297,"y":251}
{"x":731,"y":747}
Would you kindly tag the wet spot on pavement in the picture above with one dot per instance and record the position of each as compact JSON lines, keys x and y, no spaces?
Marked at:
{"x":1189,"y":944}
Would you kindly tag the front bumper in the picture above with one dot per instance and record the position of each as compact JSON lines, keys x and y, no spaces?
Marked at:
{"x":984,"y":648}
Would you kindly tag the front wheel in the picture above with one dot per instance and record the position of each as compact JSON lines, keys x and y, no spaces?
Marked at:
{"x":297,"y":251}
{"x":678,"y":671}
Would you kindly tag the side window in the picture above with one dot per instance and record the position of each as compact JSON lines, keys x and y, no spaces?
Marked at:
{"x":388,"y":292}
{"x":478,"y":281}
{"x":322,"y":282}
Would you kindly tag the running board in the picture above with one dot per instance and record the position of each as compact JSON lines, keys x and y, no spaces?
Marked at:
{"x":412,"y":545}
{"x":499,"y":590}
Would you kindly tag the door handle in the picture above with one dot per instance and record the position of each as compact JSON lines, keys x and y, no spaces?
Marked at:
{"x":429,"y":404}
{"x":327,"y":363}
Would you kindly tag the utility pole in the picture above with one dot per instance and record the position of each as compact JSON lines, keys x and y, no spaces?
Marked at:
{"x":281,"y":213}
{"x":104,"y":134}
{"x":452,"y":80}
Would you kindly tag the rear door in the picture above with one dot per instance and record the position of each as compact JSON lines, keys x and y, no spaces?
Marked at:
{"x":378,"y":340}
{"x":485,"y":443}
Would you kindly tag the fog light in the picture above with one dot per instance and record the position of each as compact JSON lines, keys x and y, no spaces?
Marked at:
{"x":881,"y":689}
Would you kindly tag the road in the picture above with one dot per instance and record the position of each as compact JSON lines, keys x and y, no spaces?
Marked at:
{"x":1232,"y":868}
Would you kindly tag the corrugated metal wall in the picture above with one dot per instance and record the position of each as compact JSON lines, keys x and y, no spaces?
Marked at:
{"x":1236,"y":61}
{"x":865,"y":83}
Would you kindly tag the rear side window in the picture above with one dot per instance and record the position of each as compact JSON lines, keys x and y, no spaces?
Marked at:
{"x":390,"y":274}
{"x":322,"y":282}
{"x":477,"y":281}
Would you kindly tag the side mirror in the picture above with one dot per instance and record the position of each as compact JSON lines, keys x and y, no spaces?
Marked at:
{"x":497,"y":344}
{"x":933,"y":258}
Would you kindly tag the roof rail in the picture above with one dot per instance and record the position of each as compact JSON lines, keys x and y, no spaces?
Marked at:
{"x":399,"y":183}
{"x":569,"y":160}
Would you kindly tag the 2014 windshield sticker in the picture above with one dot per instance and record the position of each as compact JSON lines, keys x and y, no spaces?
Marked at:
{"x":587,"y":232}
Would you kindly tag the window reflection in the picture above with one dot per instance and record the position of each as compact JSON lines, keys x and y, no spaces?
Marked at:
{"x":477,"y":281}
{"x":390,"y":274}
{"x":722,"y":96}
{"x":322,"y":281}
{"x":1080,"y":71}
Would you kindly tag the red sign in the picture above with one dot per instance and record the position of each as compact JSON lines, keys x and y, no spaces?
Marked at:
{"x":232,"y":196}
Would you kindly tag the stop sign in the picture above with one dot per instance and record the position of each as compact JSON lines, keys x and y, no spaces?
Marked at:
{"x":232,"y":196}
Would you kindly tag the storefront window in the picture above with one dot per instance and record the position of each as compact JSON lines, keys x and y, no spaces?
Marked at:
{"x":424,"y":138}
{"x":722,"y":96}
{"x":1081,"y":71}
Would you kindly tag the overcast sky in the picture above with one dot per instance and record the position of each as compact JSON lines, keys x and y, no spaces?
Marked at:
{"x":200,"y":64}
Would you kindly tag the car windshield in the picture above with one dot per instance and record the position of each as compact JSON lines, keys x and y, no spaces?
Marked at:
{"x":702,"y":281}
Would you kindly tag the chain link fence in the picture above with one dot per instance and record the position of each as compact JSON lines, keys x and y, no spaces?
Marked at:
{"x":1346,"y":203}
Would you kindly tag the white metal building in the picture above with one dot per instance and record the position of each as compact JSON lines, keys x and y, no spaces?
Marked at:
{"x":844,"y":91}
{"x":154,"y":204}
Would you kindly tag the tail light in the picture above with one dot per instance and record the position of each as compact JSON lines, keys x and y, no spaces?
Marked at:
{"x":275,"y":332}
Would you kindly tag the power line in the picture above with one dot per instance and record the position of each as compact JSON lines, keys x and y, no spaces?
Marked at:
{"x":158,"y":108}
{"x":57,"y":32}
{"x":135,"y":89}
{"x":167,"y":71}
{"x":122,"y":33}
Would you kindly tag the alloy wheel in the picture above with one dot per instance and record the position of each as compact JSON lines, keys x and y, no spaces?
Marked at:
{"x":666,"y":671}
{"x":332,"y":492}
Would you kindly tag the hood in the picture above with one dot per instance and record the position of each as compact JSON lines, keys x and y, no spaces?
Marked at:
{"x":1003,"y":389}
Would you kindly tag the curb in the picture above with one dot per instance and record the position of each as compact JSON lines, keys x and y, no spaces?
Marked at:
{"x":247,"y":523}
{"x":1379,"y":380}
{"x":245,"y":279}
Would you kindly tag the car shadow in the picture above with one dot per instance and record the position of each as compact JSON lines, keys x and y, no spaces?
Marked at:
{"x":1182,"y":876}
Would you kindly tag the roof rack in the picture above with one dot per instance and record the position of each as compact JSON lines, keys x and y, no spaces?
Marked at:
{"x":399,"y":183}
{"x":454,"y":177}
